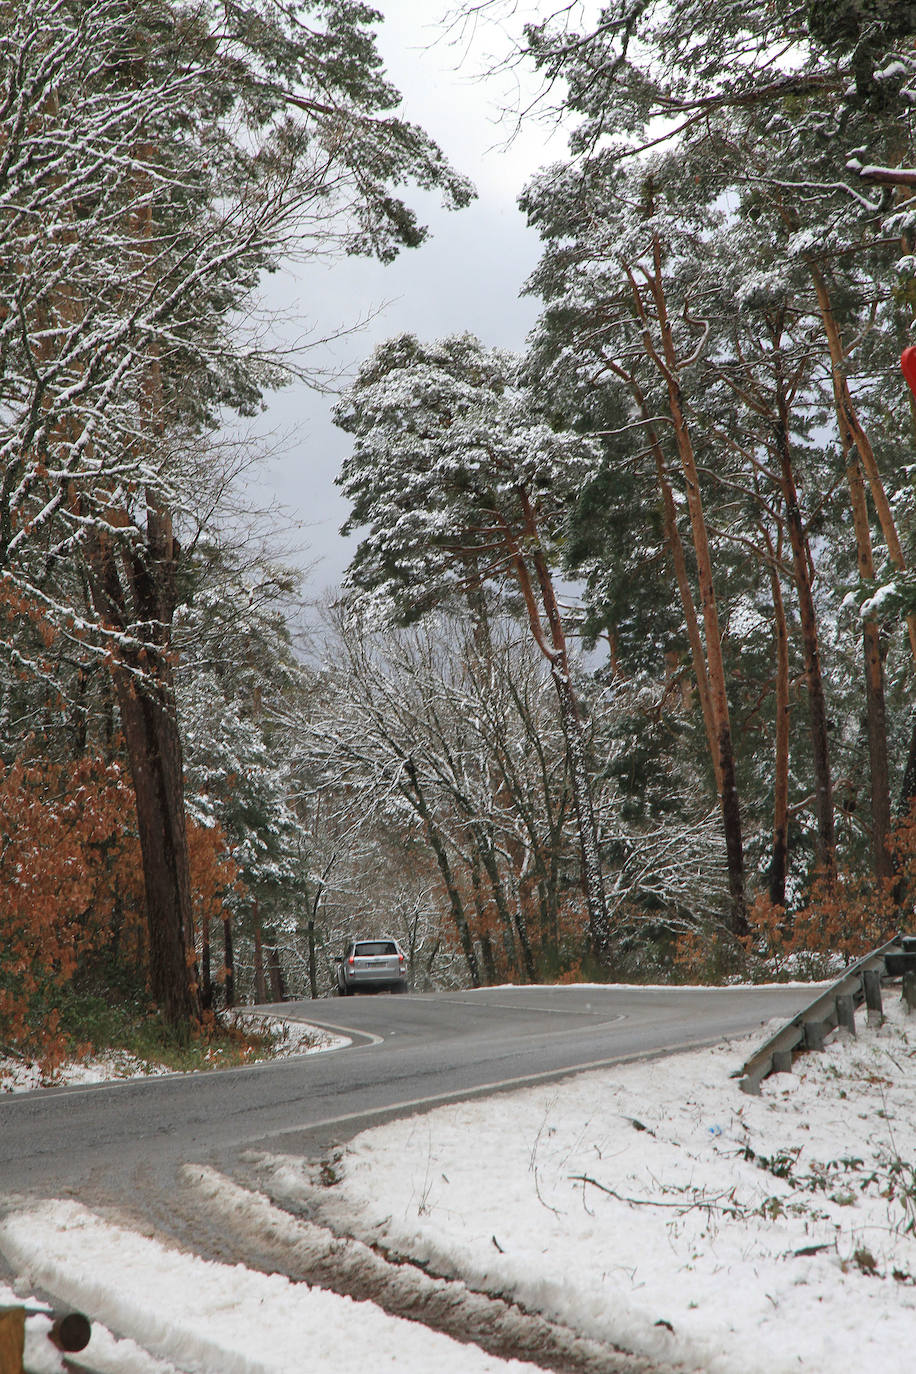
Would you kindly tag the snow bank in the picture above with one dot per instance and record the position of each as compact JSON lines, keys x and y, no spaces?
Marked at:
{"x":655,"y":1206}
{"x":215,"y":1318}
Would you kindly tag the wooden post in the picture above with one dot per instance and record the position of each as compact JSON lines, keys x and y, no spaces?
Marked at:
{"x":846,"y":1013}
{"x":814,"y":1035}
{"x":909,"y":991}
{"x":871,"y":981}
{"x":782,"y":1061}
{"x":12,"y":1339}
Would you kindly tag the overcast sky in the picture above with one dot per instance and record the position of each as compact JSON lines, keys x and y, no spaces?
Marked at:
{"x":466,"y":277}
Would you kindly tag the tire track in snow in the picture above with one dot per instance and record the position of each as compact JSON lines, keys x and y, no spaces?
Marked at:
{"x":264,"y":1230}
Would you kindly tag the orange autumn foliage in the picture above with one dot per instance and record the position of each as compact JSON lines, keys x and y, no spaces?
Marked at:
{"x":65,"y":859}
{"x":841,"y":921}
{"x":214,"y":873}
{"x":838,"y":922}
{"x":71,"y":889}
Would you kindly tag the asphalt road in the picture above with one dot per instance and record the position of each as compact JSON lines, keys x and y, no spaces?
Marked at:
{"x":111,"y":1140}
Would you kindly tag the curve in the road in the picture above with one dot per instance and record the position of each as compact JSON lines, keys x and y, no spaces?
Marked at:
{"x":407,"y":1052}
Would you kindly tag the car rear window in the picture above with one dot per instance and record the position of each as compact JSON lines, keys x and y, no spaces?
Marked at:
{"x":376,"y":947}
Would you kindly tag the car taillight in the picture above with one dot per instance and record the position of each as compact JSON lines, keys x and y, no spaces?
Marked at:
{"x":402,"y":958}
{"x":351,"y":959}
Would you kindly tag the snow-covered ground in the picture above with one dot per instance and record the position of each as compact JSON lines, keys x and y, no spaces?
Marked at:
{"x":652,"y":1205}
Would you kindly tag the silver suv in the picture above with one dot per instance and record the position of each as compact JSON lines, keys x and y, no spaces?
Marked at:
{"x":371,"y":965}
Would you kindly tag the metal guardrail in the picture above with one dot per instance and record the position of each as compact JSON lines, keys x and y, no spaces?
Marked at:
{"x":861,"y":982}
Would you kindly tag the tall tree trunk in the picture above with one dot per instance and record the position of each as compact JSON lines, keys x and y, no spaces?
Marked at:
{"x":874,"y":679}
{"x":206,"y":975}
{"x":517,"y":924}
{"x":581,"y":792}
{"x":131,"y":587}
{"x":524,"y":939}
{"x":877,"y":748}
{"x":555,"y":651}
{"x":147,"y":711}
{"x":778,"y":857}
{"x":668,"y":365}
{"x":260,"y":982}
{"x":855,"y":438}
{"x":313,"y":913}
{"x":698,"y":658}
{"x":312,"y":962}
{"x":228,"y":960}
{"x":483,"y":839}
{"x":488,"y":958}
{"x":731,"y":811}
{"x":681,"y":576}
{"x":814,"y":681}
{"x":546,"y":858}
{"x":855,"y":434}
{"x":275,"y":972}
{"x":781,"y":761}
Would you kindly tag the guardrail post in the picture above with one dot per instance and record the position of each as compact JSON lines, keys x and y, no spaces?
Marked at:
{"x":846,"y":1013}
{"x":782,"y":1061}
{"x":814,"y":1035}
{"x":871,"y":981}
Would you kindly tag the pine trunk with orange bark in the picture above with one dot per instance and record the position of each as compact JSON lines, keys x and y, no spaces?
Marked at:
{"x":779,"y":852}
{"x":554,"y":648}
{"x":667,"y":362}
{"x":825,"y":852}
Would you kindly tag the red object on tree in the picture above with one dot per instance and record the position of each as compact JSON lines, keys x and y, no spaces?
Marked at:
{"x":908,"y":367}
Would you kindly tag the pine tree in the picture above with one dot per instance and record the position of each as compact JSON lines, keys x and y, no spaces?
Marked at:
{"x":787,"y":118}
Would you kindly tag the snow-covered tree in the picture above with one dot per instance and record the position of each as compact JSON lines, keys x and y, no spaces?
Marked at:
{"x":772,"y":146}
{"x":637,"y":257}
{"x":441,"y":738}
{"x":155,"y":158}
{"x":459,"y":479}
